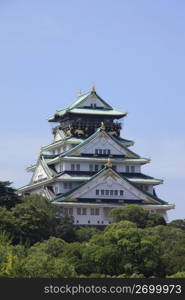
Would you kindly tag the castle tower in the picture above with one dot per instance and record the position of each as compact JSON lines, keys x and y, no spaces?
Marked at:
{"x":89,"y":168}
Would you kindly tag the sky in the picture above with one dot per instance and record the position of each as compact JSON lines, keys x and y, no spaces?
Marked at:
{"x":133,"y":51}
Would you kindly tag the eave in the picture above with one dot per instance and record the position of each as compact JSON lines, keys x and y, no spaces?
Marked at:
{"x":112,"y":205}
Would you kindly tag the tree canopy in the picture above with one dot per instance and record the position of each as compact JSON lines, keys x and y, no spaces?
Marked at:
{"x":37,"y":240}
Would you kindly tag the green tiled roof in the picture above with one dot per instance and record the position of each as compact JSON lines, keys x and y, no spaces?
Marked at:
{"x":155,"y":198}
{"x":93,"y":136}
{"x":67,"y":140}
{"x":74,"y":109}
{"x":95,"y":111}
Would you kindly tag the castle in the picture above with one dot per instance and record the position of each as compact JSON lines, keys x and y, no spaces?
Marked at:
{"x":88,"y":169}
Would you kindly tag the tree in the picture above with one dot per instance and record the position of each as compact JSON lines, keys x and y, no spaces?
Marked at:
{"x":178,"y":224}
{"x":8,"y":195}
{"x":7,"y":220}
{"x":46,"y":266}
{"x":172,"y":241}
{"x":137,"y":215}
{"x":177,"y":275}
{"x":35,"y":219}
{"x":53,"y":247}
{"x":85,"y":233}
{"x":138,"y":252}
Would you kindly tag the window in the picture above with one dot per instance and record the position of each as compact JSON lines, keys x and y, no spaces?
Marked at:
{"x":107,"y":192}
{"x":132,"y":169}
{"x":84,"y":211}
{"x":89,"y":222}
{"x":96,"y":168}
{"x":127,"y":169}
{"x":67,"y":185}
{"x":92,"y":211}
{"x":97,"y":192}
{"x":77,"y":221}
{"x":78,"y":167}
{"x":115,"y":193}
{"x":91,"y":168}
{"x":121,"y":193}
{"x":145,"y":187}
{"x":102,"y":192}
{"x":111,"y":193}
{"x":70,"y":211}
{"x":67,"y":211}
{"x":103,"y":151}
{"x":97,"y":211}
{"x":78,"y":211}
{"x":75,"y":167}
{"x":93,"y":105}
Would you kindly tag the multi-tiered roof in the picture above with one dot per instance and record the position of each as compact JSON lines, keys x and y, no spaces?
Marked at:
{"x":89,"y":165}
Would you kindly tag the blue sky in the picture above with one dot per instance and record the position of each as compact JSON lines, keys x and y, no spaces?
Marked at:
{"x":134,"y":51}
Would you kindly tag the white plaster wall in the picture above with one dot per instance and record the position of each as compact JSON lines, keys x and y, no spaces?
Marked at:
{"x":103,"y":216}
{"x":83,"y":219}
{"x":92,"y":100}
{"x":104,"y":186}
{"x":150,"y":189}
{"x":57,"y":137}
{"x":59,"y":167}
{"x":121,"y":167}
{"x":103,"y":143}
{"x":84,"y":166}
{"x":65,"y":190}
{"x":39,"y":172}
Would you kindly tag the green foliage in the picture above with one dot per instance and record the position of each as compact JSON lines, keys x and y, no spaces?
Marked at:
{"x":34,"y":219}
{"x":46,"y":266}
{"x":36,"y":240}
{"x":8,"y":196}
{"x":178,"y":224}
{"x":85,"y":233}
{"x":53,"y":247}
{"x":7,"y":220}
{"x":172,"y":241}
{"x":177,"y":275}
{"x":137,"y":215}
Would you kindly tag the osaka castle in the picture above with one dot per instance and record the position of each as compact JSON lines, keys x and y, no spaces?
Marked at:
{"x":88,"y":168}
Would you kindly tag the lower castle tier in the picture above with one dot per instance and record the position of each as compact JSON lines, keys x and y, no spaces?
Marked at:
{"x":89,"y":169}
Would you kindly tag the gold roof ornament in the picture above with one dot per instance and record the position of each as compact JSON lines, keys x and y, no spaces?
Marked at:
{"x":40,"y":151}
{"x":109,"y":163}
{"x":102,"y":126}
{"x":79,"y":93}
{"x":93,"y":88}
